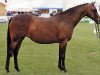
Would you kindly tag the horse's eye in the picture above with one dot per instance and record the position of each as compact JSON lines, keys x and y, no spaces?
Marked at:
{"x":95,"y":10}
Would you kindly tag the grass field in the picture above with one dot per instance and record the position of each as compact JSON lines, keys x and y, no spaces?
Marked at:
{"x":82,"y":56}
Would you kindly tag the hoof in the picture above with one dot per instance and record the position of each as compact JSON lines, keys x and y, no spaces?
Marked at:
{"x":7,"y":70}
{"x":17,"y":69}
{"x":65,"y":70}
{"x":62,"y":69}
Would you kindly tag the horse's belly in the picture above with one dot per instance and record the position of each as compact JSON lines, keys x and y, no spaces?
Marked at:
{"x":44,"y":38}
{"x":45,"y":41}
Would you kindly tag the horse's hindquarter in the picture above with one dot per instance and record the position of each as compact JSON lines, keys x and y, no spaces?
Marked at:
{"x":19,"y":25}
{"x":43,"y":30}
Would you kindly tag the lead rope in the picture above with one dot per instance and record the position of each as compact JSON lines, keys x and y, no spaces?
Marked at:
{"x":97,"y":30}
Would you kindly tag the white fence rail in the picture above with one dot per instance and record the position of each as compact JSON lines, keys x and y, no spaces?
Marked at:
{"x":3,"y":19}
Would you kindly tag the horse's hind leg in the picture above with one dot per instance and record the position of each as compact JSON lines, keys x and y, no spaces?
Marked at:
{"x":15,"y":52}
{"x":7,"y":63}
{"x":10,"y":49}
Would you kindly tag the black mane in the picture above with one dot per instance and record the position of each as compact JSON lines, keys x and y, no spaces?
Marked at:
{"x":70,"y":10}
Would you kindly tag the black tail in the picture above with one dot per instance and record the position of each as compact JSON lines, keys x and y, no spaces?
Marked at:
{"x":8,"y":38}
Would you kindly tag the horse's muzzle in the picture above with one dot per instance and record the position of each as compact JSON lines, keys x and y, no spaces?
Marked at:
{"x":98,"y":21}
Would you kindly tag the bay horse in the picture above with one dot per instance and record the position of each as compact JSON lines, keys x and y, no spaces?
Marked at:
{"x":56,"y":29}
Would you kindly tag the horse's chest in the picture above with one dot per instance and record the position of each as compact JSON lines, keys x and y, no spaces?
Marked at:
{"x":65,"y":34}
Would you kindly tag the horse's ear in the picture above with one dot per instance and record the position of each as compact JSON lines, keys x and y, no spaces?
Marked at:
{"x":93,"y":3}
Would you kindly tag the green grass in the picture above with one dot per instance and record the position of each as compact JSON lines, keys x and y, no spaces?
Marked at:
{"x":82,"y":56}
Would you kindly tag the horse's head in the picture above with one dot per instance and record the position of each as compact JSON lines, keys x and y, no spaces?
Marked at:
{"x":92,"y":12}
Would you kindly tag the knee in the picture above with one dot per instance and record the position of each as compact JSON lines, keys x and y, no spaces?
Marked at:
{"x":15,"y":53}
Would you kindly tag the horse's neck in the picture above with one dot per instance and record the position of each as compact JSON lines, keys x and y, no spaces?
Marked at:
{"x":76,"y":16}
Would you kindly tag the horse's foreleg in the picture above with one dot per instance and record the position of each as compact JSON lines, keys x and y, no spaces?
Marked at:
{"x":62,"y":50}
